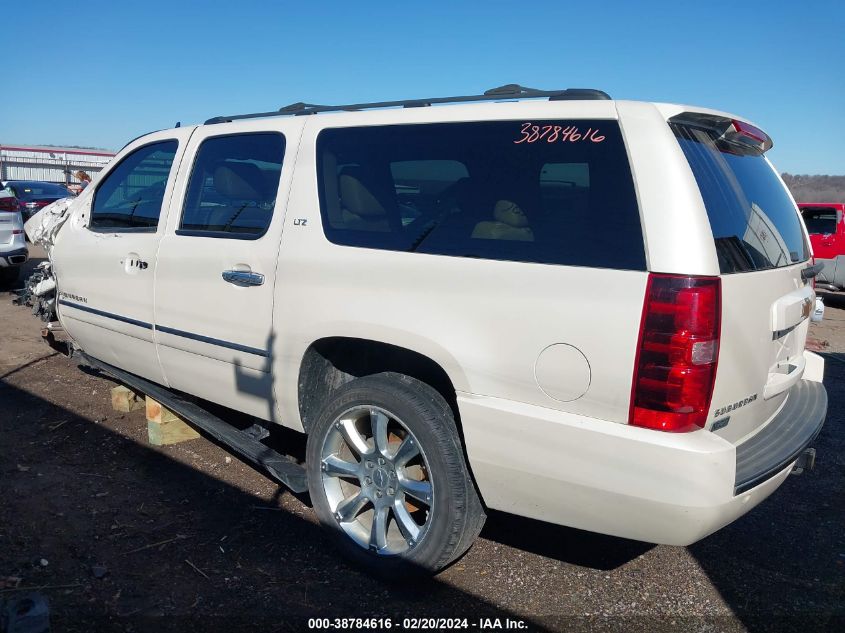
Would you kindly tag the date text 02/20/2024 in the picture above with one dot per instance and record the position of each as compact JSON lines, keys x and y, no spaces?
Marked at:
{"x":416,"y":624}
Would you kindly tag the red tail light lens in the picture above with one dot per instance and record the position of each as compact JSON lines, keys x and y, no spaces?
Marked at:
{"x":8,"y":203}
{"x":678,"y":349}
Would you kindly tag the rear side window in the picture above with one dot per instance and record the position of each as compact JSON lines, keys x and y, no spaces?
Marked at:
{"x":131,"y":195}
{"x":552,"y":192}
{"x":233,"y":186}
{"x":820,"y":221}
{"x":755,"y":224}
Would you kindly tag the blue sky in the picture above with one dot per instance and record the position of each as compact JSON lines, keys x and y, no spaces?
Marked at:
{"x":117,"y":70}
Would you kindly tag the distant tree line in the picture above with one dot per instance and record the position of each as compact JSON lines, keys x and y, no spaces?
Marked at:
{"x":816,"y":188}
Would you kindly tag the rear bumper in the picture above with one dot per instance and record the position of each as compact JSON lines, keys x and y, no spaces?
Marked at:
{"x":614,"y":478}
{"x":781,"y":441}
{"x":14,"y":257}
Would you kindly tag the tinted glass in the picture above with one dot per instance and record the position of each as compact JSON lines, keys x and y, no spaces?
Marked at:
{"x":754,"y":222}
{"x":820,"y":221}
{"x":554,"y":192}
{"x":233,"y":186}
{"x":33,"y":190}
{"x":130,"y":196}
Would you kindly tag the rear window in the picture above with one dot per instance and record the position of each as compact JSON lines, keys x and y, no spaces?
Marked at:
{"x":552,"y":192}
{"x":30,"y":190}
{"x":755,"y":224}
{"x":820,"y":221}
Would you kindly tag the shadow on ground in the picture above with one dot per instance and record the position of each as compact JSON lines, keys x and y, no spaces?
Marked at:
{"x":176,"y":543}
{"x":833,"y":299}
{"x":180,"y":545}
{"x":782,"y":566}
{"x":568,"y":545}
{"x":184,"y":550}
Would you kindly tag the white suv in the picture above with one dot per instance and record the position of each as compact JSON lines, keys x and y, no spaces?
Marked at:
{"x":585,"y":311}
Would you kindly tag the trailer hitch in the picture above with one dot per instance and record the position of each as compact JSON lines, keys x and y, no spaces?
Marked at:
{"x":806,"y":461}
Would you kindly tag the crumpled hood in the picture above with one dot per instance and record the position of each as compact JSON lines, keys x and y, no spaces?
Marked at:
{"x":42,"y":227}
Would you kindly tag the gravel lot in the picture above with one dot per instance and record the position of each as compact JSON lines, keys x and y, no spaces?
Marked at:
{"x":123,"y":536}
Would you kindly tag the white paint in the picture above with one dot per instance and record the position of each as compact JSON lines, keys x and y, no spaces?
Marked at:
{"x":562,"y":452}
{"x":562,"y":372}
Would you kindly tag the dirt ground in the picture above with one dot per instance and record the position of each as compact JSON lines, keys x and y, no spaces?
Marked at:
{"x":123,"y":536}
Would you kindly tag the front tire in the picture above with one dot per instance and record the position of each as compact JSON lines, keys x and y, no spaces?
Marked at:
{"x":388,"y":479}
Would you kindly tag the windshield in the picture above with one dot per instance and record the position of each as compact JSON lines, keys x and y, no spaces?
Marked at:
{"x":755,"y":224}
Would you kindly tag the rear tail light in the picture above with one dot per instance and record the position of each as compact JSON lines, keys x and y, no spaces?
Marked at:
{"x":8,"y":203}
{"x":677,"y":353}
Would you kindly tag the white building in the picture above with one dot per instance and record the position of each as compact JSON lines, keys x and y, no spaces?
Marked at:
{"x":51,"y":164}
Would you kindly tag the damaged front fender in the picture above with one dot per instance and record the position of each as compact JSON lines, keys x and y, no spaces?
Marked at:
{"x":43,"y":227}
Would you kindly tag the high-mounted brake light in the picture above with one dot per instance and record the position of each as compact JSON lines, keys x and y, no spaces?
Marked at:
{"x":677,"y":353}
{"x":739,"y":137}
{"x":752,"y":135}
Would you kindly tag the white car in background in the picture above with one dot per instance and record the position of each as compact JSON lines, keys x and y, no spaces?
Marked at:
{"x":585,"y":311}
{"x":13,"y":250}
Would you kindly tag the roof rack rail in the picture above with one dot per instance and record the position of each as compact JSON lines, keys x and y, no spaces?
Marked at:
{"x":509,"y":91}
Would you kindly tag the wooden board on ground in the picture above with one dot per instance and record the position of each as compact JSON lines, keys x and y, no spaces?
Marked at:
{"x":165,"y":427}
{"x":125,"y":400}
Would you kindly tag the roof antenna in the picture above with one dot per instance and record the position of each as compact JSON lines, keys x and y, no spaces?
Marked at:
{"x":178,"y":124}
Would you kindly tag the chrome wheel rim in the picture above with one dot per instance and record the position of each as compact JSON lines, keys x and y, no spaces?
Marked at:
{"x":377,"y":482}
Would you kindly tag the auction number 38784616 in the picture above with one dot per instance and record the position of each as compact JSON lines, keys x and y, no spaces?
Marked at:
{"x":532,"y":133}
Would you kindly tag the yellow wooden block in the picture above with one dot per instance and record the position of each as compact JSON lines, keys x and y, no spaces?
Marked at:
{"x":124,"y":399}
{"x":165,"y":427}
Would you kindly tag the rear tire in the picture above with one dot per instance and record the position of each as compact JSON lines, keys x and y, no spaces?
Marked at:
{"x":387,"y":477}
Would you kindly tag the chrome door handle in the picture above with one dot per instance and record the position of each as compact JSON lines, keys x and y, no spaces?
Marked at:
{"x":243,"y":278}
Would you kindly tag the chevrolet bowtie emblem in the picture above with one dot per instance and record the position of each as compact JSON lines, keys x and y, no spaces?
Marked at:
{"x":806,"y":308}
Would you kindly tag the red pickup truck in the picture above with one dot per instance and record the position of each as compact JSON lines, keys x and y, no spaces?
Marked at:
{"x":826,"y":225}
